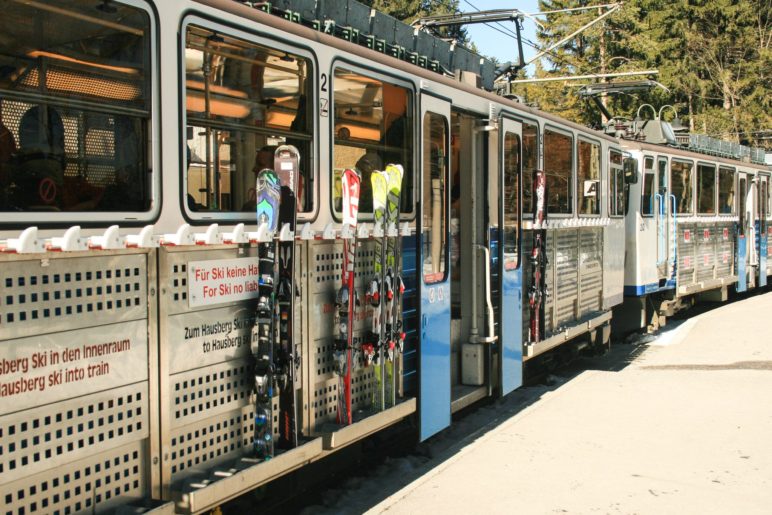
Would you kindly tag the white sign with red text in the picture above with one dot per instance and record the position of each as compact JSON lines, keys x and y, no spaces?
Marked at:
{"x":53,"y":367}
{"x":220,"y":281}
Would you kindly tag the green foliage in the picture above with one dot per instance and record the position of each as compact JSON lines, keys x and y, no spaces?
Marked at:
{"x":714,"y":56}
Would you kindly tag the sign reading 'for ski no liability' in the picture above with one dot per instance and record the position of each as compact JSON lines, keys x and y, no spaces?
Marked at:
{"x":222,"y":280}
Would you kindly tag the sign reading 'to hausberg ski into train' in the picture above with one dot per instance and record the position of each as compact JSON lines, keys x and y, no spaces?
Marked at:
{"x":220,"y":281}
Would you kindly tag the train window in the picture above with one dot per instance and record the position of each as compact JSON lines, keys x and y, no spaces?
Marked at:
{"x":681,"y":186}
{"x":373,"y":128}
{"x":588,"y":178}
{"x":616,"y":187}
{"x":647,"y":196}
{"x":726,"y":184}
{"x":558,"y":164}
{"x":242,"y":101}
{"x":662,"y":176}
{"x":75,"y":103}
{"x":511,"y":200}
{"x":706,"y":189}
{"x":435,"y":177}
{"x":530,"y":163}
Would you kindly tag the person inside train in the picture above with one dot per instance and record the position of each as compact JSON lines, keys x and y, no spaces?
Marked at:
{"x":726,"y":208}
{"x":263,"y":159}
{"x":366,"y":165}
{"x":39,"y":178}
{"x":191,"y":201}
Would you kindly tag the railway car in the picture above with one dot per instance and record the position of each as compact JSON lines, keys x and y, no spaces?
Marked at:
{"x":131,"y":133}
{"x":697,"y":224}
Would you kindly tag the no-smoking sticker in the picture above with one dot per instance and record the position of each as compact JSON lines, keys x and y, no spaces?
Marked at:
{"x":47,"y":190}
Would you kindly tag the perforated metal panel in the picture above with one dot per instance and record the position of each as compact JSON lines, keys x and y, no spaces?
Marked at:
{"x":209,"y":367}
{"x":705,"y":252}
{"x":41,"y":438}
{"x":573,"y":276}
{"x":725,"y":234}
{"x":549,"y":298}
{"x":51,"y":295}
{"x":567,"y":270}
{"x":590,"y":270}
{"x":75,"y":419}
{"x":686,"y":253}
{"x":325,"y":259}
{"x":98,"y":483}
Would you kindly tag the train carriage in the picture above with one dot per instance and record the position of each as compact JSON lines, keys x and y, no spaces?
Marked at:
{"x":697,"y":224}
{"x":132,"y":135}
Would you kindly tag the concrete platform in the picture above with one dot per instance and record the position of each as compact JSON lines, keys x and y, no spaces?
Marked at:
{"x":681,"y":424}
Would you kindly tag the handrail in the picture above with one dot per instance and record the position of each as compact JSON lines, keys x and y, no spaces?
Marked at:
{"x":490,"y":332}
{"x":674,"y":231}
{"x":660,"y":228}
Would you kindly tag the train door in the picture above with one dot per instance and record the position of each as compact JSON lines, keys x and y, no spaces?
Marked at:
{"x":511,"y":279}
{"x":742,"y":231}
{"x":435,"y":351}
{"x":666,"y":221}
{"x":761,"y":227}
{"x":472,"y":312}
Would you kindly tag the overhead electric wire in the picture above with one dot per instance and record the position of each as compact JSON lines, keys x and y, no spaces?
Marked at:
{"x":509,"y":32}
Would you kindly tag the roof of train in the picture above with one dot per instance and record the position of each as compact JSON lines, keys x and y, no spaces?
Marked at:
{"x":685,"y":152}
{"x":331,"y":41}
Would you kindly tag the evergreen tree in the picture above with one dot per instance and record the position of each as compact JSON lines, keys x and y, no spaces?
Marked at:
{"x":714,"y":56}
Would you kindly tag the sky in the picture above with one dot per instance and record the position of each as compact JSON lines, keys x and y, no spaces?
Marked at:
{"x":490,"y":41}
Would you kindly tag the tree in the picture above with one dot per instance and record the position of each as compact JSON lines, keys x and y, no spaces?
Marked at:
{"x":714,"y":56}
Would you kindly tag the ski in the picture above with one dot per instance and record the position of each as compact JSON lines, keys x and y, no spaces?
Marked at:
{"x":346,"y":297}
{"x":392,"y":282}
{"x":286,"y":164}
{"x":380,"y":184}
{"x":268,"y":197}
{"x":538,"y":256}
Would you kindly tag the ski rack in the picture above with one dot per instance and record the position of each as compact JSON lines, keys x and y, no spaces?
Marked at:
{"x":72,"y":240}
{"x":357,"y":23}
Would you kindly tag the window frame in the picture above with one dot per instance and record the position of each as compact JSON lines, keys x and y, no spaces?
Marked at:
{"x":763,"y":202}
{"x":528,"y":180}
{"x":519,"y":193}
{"x":413,"y":109}
{"x":584,"y":139}
{"x":652,"y":197}
{"x":733,"y":170}
{"x":612,"y":182}
{"x":445,"y":229}
{"x":572,"y":173}
{"x":692,"y":186}
{"x":260,"y":38}
{"x":705,"y":164}
{"x":152,"y":149}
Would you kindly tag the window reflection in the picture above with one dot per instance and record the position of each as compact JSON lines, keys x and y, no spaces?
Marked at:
{"x":373,"y":128}
{"x":435,"y":164}
{"x":681,"y":185}
{"x":74,"y":107}
{"x":511,"y":199}
{"x":242,"y":101}
{"x":588,"y":177}
{"x":558,"y":164}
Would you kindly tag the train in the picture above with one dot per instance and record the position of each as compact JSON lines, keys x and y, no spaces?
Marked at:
{"x":131,"y":135}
